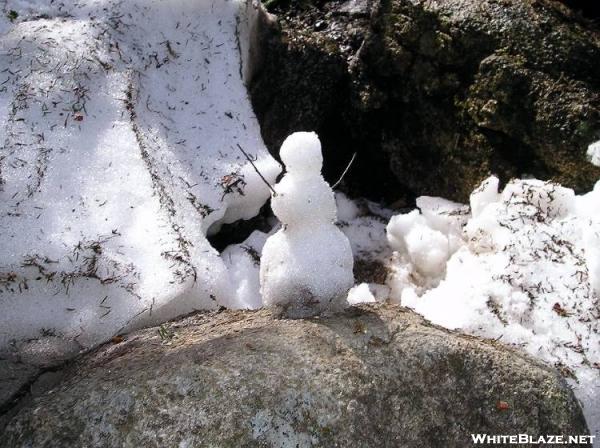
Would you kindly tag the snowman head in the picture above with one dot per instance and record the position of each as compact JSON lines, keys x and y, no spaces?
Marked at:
{"x":303,"y":196}
{"x":301,"y":154}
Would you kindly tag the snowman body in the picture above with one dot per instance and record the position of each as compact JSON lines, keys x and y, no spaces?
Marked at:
{"x":306,"y":267}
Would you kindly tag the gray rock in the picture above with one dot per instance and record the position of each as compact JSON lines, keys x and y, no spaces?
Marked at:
{"x":14,"y":378}
{"x":371,"y":376}
{"x":435,"y":95}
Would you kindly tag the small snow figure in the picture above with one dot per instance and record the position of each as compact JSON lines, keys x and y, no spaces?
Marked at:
{"x":306,"y":267}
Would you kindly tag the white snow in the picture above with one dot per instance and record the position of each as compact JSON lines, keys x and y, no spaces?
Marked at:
{"x":593,"y":153}
{"x":360,"y":294}
{"x":306,"y":267}
{"x":523,"y":268}
{"x":423,"y":242}
{"x":243,"y":261}
{"x":347,"y":210}
{"x":363,"y":224}
{"x":119,"y":123}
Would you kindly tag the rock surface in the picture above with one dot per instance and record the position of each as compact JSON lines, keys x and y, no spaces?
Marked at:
{"x":434,"y":96}
{"x":373,"y":376}
{"x":14,"y":378}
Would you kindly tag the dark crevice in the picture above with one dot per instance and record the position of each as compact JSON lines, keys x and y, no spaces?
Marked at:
{"x":238,"y":231}
{"x":20,"y":397}
{"x":512,"y":152}
{"x":326,"y":109}
{"x":590,"y":9}
{"x":370,"y":175}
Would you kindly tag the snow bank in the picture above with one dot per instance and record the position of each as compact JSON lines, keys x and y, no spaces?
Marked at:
{"x":120,"y":123}
{"x":523,"y":268}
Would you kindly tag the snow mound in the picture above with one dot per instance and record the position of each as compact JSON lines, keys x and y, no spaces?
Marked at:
{"x":243,"y":262}
{"x":306,"y":267}
{"x":523,"y":268}
{"x":368,"y":293}
{"x":594,"y":153}
{"x":360,"y":294}
{"x":423,"y":241}
{"x":120,"y":124}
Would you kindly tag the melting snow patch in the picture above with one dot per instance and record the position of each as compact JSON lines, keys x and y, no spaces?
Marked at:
{"x":243,"y":262}
{"x":523,"y":268}
{"x":360,"y":294}
{"x":120,"y":124}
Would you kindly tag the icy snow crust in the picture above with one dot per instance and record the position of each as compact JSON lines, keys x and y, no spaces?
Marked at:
{"x":523,"y":267}
{"x":306,"y":267}
{"x":119,"y":123}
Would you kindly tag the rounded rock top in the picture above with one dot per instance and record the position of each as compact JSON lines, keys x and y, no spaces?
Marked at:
{"x":301,"y":153}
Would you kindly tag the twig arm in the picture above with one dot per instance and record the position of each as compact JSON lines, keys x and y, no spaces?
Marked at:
{"x":345,"y":171}
{"x":256,"y":169}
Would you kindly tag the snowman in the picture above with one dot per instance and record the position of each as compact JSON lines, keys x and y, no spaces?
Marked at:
{"x":306,"y":267}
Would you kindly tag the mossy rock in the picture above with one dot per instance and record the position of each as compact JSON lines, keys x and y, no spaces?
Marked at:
{"x":435,"y":96}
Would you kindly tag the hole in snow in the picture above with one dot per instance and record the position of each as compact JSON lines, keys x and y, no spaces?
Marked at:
{"x":237,"y":232}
